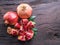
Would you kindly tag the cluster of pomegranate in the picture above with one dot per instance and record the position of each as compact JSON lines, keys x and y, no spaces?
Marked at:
{"x":22,"y":21}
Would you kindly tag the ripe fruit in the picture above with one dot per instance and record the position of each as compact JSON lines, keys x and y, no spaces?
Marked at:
{"x":12,"y":31}
{"x":21,"y":38}
{"x":25,"y":28}
{"x":17,"y":25}
{"x":21,"y":35}
{"x":29,"y":34}
{"x":24,"y":10}
{"x":24,"y":21}
{"x":30,"y":25}
{"x":10,"y":18}
{"x":25,"y":35}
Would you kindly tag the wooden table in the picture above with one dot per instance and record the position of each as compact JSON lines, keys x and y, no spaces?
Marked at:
{"x":47,"y":14}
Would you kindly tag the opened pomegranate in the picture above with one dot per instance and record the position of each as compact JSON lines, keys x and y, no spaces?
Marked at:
{"x":10,"y":18}
{"x":24,"y":10}
{"x":25,"y":35}
{"x":24,"y":21}
{"x":21,"y":38}
{"x":29,"y":34}
{"x":17,"y":25}
{"x":11,"y":31}
{"x":21,"y":35}
{"x":30,"y":25}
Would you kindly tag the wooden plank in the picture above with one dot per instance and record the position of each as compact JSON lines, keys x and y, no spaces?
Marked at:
{"x":48,"y":23}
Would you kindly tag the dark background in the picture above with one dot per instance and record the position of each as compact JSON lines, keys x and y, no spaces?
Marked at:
{"x":47,"y":18}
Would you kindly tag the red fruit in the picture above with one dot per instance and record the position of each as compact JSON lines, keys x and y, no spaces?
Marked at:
{"x":10,"y":18}
{"x":24,"y":21}
{"x":29,"y":34}
{"x":25,"y":28}
{"x":21,"y":32}
{"x":21,"y":38}
{"x":25,"y":35}
{"x":24,"y":10}
{"x":30,"y":25}
{"x":17,"y":25}
{"x":12,"y":31}
{"x":21,"y":35}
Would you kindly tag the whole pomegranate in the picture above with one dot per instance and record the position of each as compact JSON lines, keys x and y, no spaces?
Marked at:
{"x":10,"y":18}
{"x":24,"y":10}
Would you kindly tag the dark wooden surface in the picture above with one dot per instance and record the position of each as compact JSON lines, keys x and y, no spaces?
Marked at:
{"x":48,"y":22}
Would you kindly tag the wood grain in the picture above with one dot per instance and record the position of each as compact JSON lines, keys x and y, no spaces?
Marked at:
{"x":47,"y":14}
